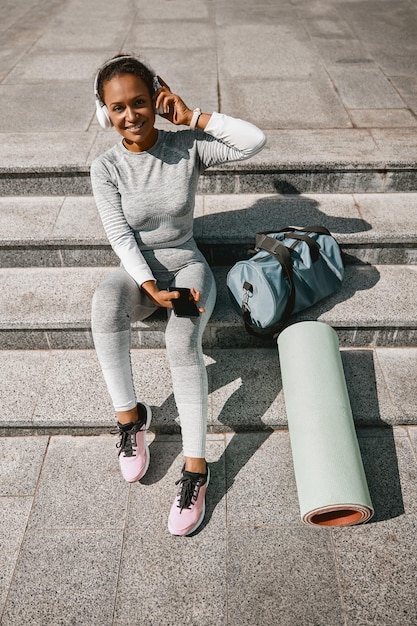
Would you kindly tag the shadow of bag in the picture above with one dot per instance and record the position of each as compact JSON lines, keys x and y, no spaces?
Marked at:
{"x":292,"y":269}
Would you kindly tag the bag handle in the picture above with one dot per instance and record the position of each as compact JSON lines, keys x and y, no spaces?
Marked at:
{"x":313,"y":246}
{"x":283,"y":256}
{"x":322,"y":230}
{"x":264,"y":242}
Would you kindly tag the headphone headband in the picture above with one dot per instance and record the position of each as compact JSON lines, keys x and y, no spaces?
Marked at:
{"x":110,"y":62}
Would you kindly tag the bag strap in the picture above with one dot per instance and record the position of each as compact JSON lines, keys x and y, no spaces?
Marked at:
{"x":264,"y":241}
{"x":283,"y":256}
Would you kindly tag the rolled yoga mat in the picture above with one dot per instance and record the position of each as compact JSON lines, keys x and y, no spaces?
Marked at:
{"x":331,"y":482}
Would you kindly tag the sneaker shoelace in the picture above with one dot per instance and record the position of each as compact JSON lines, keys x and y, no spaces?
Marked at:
{"x":189,"y":490}
{"x":127,"y":441}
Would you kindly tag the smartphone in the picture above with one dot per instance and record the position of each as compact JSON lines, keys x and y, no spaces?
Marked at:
{"x":184,"y":306}
{"x":156,"y":86}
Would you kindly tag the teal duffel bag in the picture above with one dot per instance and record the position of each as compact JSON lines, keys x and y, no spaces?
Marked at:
{"x":292,"y":269}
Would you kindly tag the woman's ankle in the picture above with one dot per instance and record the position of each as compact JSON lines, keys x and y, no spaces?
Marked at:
{"x":127,"y":417}
{"x":197,"y":465}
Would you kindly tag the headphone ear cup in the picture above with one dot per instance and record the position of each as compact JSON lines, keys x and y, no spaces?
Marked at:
{"x":102,"y":115}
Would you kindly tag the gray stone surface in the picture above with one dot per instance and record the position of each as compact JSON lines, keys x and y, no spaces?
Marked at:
{"x":45,"y":114}
{"x":396,"y":141}
{"x":85,"y":472}
{"x":54,"y":295}
{"x":22,"y":375}
{"x":305,"y":103}
{"x":57,"y":231}
{"x":309,"y":68}
{"x":400,"y":373}
{"x":88,"y":23}
{"x":202,"y":90}
{"x":382,"y":118}
{"x":163,"y":11}
{"x":392,"y":301}
{"x":64,"y":390}
{"x":370,"y":396}
{"x":365,"y":88}
{"x":14,"y":513}
{"x":407,"y":87}
{"x":89,"y":539}
{"x":377,"y":297}
{"x":272,"y":581}
{"x":69,"y":576}
{"x":20,"y":465}
{"x":323,"y":149}
{"x":187,"y":33}
{"x":37,"y":151}
{"x":267,"y":503}
{"x":391,"y":215}
{"x":73,"y":392}
{"x":413,"y":438}
{"x":79,"y":219}
{"x":43,"y":67}
{"x":383,"y":547}
{"x":385,"y":552}
{"x":28,"y":218}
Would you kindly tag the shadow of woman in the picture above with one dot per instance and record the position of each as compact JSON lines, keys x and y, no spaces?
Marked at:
{"x":225,"y":236}
{"x":250,"y":383}
{"x":245,"y":396}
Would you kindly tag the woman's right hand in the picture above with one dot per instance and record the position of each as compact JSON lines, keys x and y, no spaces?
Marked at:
{"x":172,"y":106}
{"x":163,"y":298}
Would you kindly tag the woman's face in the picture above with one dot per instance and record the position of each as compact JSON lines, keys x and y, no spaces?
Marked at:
{"x":131,"y":110}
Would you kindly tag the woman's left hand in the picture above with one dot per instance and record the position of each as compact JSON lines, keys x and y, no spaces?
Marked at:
{"x":196,"y":297}
{"x":173,"y":107}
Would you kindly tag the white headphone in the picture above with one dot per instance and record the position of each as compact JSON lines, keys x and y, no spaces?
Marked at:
{"x":102,"y":112}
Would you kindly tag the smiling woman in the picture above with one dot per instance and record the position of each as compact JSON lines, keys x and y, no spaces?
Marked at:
{"x":131,"y":111}
{"x":145,"y":188}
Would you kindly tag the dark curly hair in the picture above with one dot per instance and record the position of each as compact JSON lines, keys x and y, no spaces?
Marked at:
{"x":124,"y":64}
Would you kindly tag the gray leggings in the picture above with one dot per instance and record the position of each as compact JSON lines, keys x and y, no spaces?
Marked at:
{"x":118,"y":302}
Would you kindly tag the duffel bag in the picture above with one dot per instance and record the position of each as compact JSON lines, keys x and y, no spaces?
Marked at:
{"x":292,"y":269}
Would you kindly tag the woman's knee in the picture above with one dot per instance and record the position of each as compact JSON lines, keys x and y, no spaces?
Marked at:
{"x":111,"y":306}
{"x":183,"y":342}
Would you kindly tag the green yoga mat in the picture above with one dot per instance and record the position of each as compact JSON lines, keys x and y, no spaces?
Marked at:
{"x":331,"y":483}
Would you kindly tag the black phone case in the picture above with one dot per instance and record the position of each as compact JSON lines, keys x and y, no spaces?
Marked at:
{"x":183,"y":306}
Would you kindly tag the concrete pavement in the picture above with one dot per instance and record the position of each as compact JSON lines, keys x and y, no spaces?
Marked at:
{"x":79,"y":546}
{"x":332,"y":82}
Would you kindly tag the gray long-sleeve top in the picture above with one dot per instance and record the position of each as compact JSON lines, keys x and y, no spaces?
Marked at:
{"x":146,"y":199}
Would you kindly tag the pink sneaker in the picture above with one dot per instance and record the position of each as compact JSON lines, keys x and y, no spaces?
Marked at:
{"x":134,"y":454}
{"x":189,"y":506}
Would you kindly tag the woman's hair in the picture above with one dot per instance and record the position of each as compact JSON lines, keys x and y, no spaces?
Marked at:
{"x":124,"y":64}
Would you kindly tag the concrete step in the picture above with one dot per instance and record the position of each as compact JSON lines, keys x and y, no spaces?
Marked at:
{"x":67,"y":231}
{"x":62,"y":391}
{"x":300,"y":160}
{"x":44,"y":308}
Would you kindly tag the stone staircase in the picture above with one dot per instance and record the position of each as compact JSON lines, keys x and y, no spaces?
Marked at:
{"x":53,"y":253}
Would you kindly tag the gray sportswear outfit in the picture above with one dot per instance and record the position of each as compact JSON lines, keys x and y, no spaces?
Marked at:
{"x":146,"y":203}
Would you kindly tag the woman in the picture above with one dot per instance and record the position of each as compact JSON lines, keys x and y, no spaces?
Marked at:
{"x":145,"y":188}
